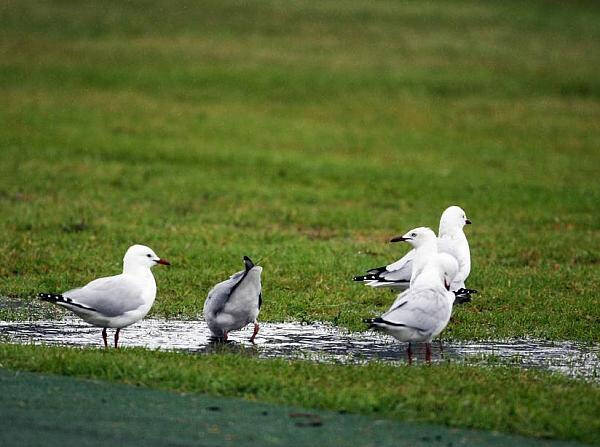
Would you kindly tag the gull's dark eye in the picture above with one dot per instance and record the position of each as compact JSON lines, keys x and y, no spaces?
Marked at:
{"x":149,"y":255}
{"x":413,"y":235}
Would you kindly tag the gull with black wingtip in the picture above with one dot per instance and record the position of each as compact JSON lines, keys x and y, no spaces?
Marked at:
{"x":234,"y":303}
{"x":451,"y":239}
{"x":115,"y":301}
{"x":423,"y":311}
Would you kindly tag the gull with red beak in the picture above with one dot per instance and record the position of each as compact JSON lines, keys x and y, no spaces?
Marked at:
{"x":115,"y":301}
{"x":423,"y":311}
{"x":451,"y":239}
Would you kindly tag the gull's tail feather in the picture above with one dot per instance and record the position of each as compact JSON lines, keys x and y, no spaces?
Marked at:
{"x":365,"y":278}
{"x":469,"y":291}
{"x":57,"y":298}
{"x":370,"y":322}
{"x":464,"y":295}
{"x":377,"y":270}
{"x":376,"y":278}
{"x":248,"y":264}
{"x":51,"y":297}
{"x":380,"y":322}
{"x":372,"y":274}
{"x":374,"y":323}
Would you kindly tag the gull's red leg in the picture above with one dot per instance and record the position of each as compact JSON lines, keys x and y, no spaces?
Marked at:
{"x":428,"y":352}
{"x":256,"y":327}
{"x":409,"y":354}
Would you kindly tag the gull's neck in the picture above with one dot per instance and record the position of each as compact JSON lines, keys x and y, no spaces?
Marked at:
{"x":427,"y":248}
{"x":423,"y":253}
{"x":429,"y":277}
{"x":137,"y":270}
{"x":447,"y":229}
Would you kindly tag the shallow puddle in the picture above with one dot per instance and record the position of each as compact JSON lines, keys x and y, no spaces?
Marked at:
{"x":317,"y":342}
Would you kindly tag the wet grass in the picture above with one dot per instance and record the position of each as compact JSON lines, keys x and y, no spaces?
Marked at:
{"x":525,"y":402}
{"x":305,"y":134}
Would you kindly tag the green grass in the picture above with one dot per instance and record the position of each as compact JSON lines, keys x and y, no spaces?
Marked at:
{"x":524,"y":402}
{"x":305,"y":134}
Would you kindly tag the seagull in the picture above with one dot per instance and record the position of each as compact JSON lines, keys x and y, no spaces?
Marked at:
{"x":451,"y":239}
{"x":115,"y":301}
{"x":424,"y":243}
{"x":423,"y":311}
{"x":235,"y":302}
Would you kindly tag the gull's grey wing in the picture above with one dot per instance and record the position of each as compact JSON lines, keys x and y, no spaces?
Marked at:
{"x":400,"y":298}
{"x":421,"y":309}
{"x":400,"y":274}
{"x":111,"y":296}
{"x":402,"y":265}
{"x":395,"y":274}
{"x":220,"y":293}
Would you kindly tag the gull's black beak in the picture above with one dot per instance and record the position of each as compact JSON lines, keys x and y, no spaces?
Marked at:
{"x":248,"y":263}
{"x":446,"y":285}
{"x":400,"y":239}
{"x":468,"y":221}
{"x":163,"y":262}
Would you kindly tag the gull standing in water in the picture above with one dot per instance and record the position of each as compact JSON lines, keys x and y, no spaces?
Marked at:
{"x":235,"y":302}
{"x":423,"y":311}
{"x":451,"y":239}
{"x":115,"y":301}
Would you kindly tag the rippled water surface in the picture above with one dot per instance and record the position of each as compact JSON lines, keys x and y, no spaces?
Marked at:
{"x":317,"y":342}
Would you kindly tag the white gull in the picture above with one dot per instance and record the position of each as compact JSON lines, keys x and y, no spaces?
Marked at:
{"x":115,"y":301}
{"x":451,"y":239}
{"x":423,"y":311}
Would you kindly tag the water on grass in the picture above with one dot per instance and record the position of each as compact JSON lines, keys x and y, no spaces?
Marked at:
{"x":316,"y":342}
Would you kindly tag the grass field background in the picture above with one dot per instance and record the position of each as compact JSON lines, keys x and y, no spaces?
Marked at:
{"x":305,"y":134}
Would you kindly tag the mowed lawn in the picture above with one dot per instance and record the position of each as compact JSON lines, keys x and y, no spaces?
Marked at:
{"x":305,"y":134}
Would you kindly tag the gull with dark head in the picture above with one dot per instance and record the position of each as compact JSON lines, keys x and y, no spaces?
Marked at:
{"x":115,"y":301}
{"x":234,"y":303}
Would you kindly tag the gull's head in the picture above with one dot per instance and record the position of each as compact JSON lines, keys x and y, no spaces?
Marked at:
{"x":454,"y":217}
{"x":142,"y":256}
{"x":448,"y":267}
{"x":417,"y":237}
